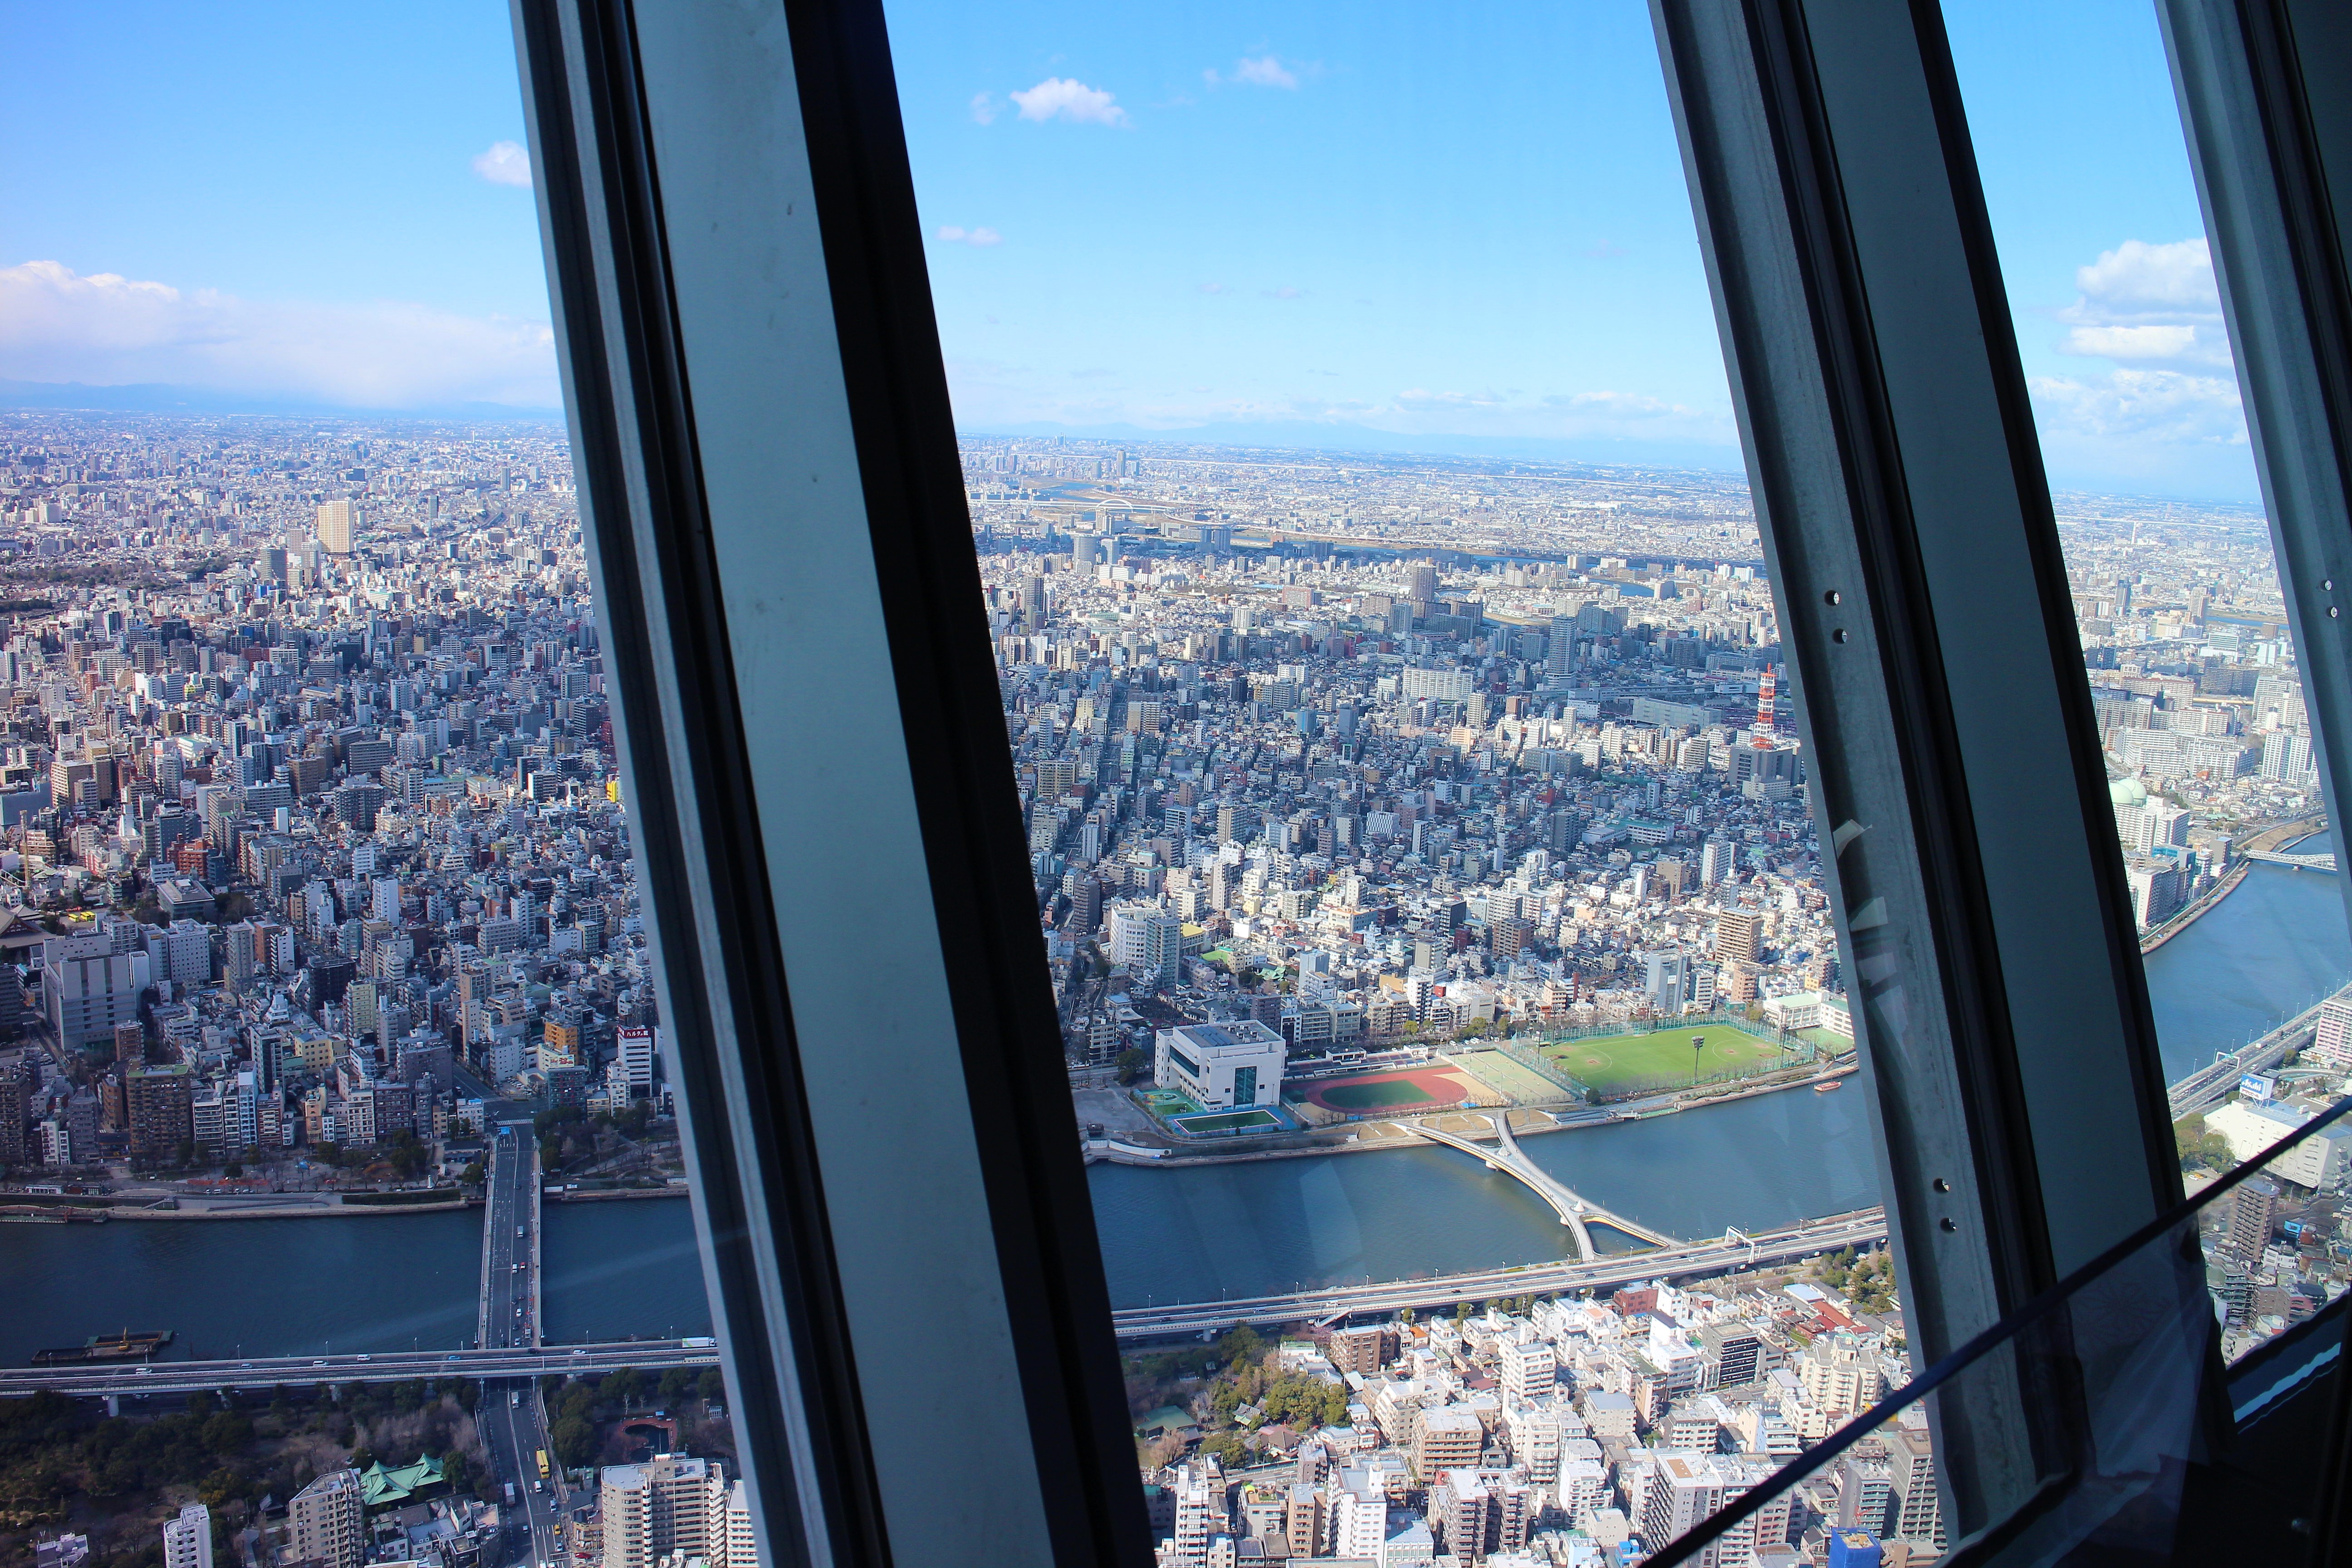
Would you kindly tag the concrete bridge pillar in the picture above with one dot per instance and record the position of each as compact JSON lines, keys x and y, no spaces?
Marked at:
{"x":114,"y":1404}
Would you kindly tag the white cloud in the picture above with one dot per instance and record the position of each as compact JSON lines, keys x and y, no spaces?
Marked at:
{"x":504,"y":164}
{"x":101,"y":328}
{"x":1065,"y":98}
{"x":2149,"y":304}
{"x":2166,"y":406}
{"x":2154,"y":312}
{"x":2137,"y":279}
{"x":983,"y":107}
{"x":956,"y":235}
{"x":1265,"y":70}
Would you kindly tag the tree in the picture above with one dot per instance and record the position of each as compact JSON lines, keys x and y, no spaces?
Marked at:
{"x":574,"y":1441}
{"x":712,"y":1385}
{"x":1130,"y":1064}
{"x":458,"y":1471}
{"x":624,"y":1388}
{"x":471,"y":1175}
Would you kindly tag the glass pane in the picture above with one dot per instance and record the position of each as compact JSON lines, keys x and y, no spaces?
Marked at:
{"x":329,"y":1002}
{"x":2192,"y":668}
{"x":2153,"y":1457}
{"x":1409,"y":775}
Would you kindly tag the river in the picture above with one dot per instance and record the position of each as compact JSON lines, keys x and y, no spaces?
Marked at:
{"x":615,"y":1270}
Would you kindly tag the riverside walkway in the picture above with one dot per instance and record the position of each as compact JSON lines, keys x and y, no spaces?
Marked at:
{"x":1574,"y":1212}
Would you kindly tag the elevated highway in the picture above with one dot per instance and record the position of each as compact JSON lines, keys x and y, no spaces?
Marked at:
{"x":1729,"y":1254}
{"x":2212,"y":1083}
{"x":269,"y":1372}
{"x":1574,"y":1212}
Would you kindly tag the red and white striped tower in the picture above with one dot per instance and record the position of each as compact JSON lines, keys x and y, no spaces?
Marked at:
{"x":1765,"y":732}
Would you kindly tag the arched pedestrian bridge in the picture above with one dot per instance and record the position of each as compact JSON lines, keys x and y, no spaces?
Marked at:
{"x":1507,"y":1156}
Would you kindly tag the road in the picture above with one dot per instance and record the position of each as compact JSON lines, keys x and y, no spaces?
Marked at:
{"x":2217,"y":1080}
{"x":1724,"y":1255}
{"x":512,"y":1417}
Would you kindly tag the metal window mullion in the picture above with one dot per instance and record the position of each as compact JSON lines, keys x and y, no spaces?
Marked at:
{"x":1881,"y":404}
{"x":2261,"y":84}
{"x":898,"y":1237}
{"x":762,"y":1245}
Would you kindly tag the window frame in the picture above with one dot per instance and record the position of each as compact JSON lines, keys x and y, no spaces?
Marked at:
{"x":2010,"y":1054}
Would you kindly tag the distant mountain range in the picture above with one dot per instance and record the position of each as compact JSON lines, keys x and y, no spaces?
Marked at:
{"x":156,"y":398}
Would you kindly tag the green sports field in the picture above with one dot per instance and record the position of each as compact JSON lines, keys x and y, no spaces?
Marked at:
{"x":1605,"y":1061}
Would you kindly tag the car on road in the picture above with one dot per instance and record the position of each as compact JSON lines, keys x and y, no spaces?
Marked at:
{"x":318,"y":1364}
{"x":140,"y":1370}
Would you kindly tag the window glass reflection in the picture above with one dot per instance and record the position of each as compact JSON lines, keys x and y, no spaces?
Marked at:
{"x":1420,"y":829}
{"x":2193,"y":670}
{"x":343,"y":1206}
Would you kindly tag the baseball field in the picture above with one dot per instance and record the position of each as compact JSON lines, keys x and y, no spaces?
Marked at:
{"x":1609,"y":1061}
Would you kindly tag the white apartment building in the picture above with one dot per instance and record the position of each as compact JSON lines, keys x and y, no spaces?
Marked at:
{"x":188,"y":1539}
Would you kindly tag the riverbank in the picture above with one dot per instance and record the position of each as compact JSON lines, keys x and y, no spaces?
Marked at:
{"x":185,"y":1208}
{"x":2197,"y":909}
{"x":2274,"y":836}
{"x":1374,"y":1137}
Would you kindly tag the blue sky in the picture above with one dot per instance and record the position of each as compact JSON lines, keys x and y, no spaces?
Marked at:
{"x":1341,"y":221}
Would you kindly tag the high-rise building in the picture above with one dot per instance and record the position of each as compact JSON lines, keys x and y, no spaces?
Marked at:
{"x":630,"y":1074}
{"x":88,"y":988}
{"x":338,"y":520}
{"x":16,"y":1112}
{"x":2333,"y":1045}
{"x":325,"y":1521}
{"x":1666,"y":978}
{"x":1918,"y":1506}
{"x":1737,"y":935}
{"x":160,"y":1105}
{"x":2253,"y":1215}
{"x":188,"y":1538}
{"x":670,"y":1505}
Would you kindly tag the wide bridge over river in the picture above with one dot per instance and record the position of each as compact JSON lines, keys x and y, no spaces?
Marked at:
{"x":269,"y":1372}
{"x":2323,"y":861}
{"x":1732,"y":1253}
{"x":1574,"y":1212}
